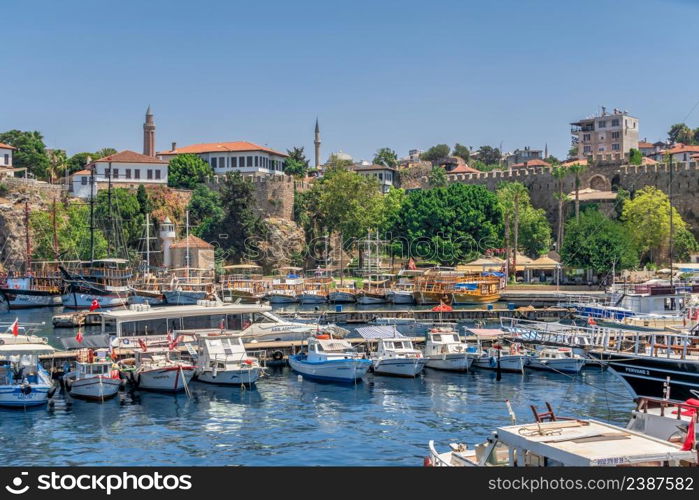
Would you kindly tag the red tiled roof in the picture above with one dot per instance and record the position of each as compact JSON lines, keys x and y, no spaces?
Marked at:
{"x":573,"y":162}
{"x":645,"y":145}
{"x":192,"y":242}
{"x":6,"y":146}
{"x":532,"y":163}
{"x":463,"y":169}
{"x":220,"y":147}
{"x":682,"y":149}
{"x":127,"y":156}
{"x":82,"y":172}
{"x":648,"y":161}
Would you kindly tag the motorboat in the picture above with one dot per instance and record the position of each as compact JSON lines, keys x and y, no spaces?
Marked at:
{"x":94,"y":377}
{"x":23,"y":381}
{"x":490,"y":353}
{"x":402,"y":292}
{"x":222,"y":359}
{"x":331,"y":360}
{"x":41,"y":287}
{"x":158,"y":369}
{"x":666,"y":420}
{"x":445,"y":351}
{"x":394,"y":354}
{"x":555,"y":359}
{"x":343,"y":294}
{"x":373,"y":292}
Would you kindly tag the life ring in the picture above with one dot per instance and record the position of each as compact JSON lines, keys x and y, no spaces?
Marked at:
{"x":323,"y":336}
{"x":277,"y":355}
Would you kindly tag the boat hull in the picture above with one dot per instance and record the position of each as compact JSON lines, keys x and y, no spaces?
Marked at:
{"x":12,"y":396}
{"x":450,"y":362}
{"x":170,"y":379}
{"x":367,"y":299}
{"x":647,"y":376}
{"x":274,"y":298}
{"x":340,"y":370}
{"x":569,"y":365}
{"x":77,"y":300}
{"x":341,"y":297}
{"x":399,"y":367}
{"x":184,"y":297}
{"x":402,"y":298}
{"x":427,"y":298}
{"x":242,"y":376}
{"x":508,"y":363}
{"x":470,"y":299}
{"x":95,"y":388}
{"x":309,"y":298}
{"x":25,"y":299}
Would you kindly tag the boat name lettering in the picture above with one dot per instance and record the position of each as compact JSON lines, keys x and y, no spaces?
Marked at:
{"x":638,"y":371}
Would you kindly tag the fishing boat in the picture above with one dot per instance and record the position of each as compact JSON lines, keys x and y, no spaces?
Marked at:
{"x":373,"y":292}
{"x":490,"y":353}
{"x":555,"y":359}
{"x":553,"y":441}
{"x":41,"y":287}
{"x":346,"y":293}
{"x":445,"y":351}
{"x":189,"y":285}
{"x":403,"y":289}
{"x":105,"y":281}
{"x":666,"y":420}
{"x":23,"y":381}
{"x":395,"y":354}
{"x":242,"y":282}
{"x":222,"y":360}
{"x":94,"y":376}
{"x":286,"y":288}
{"x":330,"y":360}
{"x":158,"y":369}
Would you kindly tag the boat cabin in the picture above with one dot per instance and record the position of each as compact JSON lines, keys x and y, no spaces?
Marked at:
{"x":20,"y":362}
{"x":216,"y":351}
{"x":326,"y":349}
{"x":443,"y":341}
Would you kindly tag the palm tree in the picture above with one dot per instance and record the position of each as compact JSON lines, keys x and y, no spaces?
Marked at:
{"x":560,"y":173}
{"x":513,"y":196}
{"x":58,"y":163}
{"x":576,"y":169}
{"x":105,"y":152}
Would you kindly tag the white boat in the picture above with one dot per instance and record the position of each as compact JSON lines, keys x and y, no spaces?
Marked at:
{"x":555,"y":359}
{"x":23,"y":381}
{"x":570,"y":442}
{"x":222,"y":359}
{"x":402,"y":297}
{"x":490,"y":353}
{"x":286,"y":288}
{"x":312,"y":297}
{"x":445,"y":351}
{"x":161,"y":369}
{"x":345,"y":293}
{"x":394,"y":354}
{"x":329,"y":359}
{"x":94,"y":376}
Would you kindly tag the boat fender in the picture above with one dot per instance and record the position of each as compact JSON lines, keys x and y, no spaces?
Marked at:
{"x":52,"y":391}
{"x":427,"y":462}
{"x":277,"y":355}
{"x":26,"y":389}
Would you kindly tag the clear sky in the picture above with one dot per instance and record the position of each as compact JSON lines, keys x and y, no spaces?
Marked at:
{"x":404,"y":74}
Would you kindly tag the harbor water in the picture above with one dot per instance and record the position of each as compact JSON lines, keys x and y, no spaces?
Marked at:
{"x":286,"y":420}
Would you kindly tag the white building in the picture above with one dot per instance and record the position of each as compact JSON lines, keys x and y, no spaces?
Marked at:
{"x":684,"y":155}
{"x":128,"y":170}
{"x":386,"y":176}
{"x":606,"y":137}
{"x":6,"y":168}
{"x":245,"y":157}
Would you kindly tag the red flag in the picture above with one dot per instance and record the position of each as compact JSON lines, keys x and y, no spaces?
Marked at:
{"x":143,"y":345}
{"x":591,"y":322}
{"x":689,"y":441}
{"x":79,"y":336}
{"x":15,"y":327}
{"x":174,"y":343}
{"x":411,"y":264}
{"x":95,"y":305}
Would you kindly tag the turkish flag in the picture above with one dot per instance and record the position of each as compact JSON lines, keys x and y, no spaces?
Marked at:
{"x":15,"y":327}
{"x":143,"y":345}
{"x":689,"y":441}
{"x":591,"y":322}
{"x":95,"y":305}
{"x":79,"y":336}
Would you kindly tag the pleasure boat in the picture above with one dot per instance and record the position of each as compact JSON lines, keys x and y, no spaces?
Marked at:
{"x":222,"y":359}
{"x":242,"y":282}
{"x":285,"y":289}
{"x":331,"y":360}
{"x":105,"y":281}
{"x":445,"y":351}
{"x":95,"y":376}
{"x":666,"y":420}
{"x":394,"y":354}
{"x":23,"y":381}
{"x":42,"y":287}
{"x":189,"y":285}
{"x":373,"y":292}
{"x":343,"y":294}
{"x":158,"y":369}
{"x":402,"y":292}
{"x":555,"y":359}
{"x":489,"y":352}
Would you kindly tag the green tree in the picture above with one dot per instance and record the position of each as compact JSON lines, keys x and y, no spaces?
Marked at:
{"x":30,"y":152}
{"x":58,"y":163}
{"x":435,"y":153}
{"x":680,"y":132}
{"x":647,"y":219}
{"x":79,"y":161}
{"x":513,"y":198}
{"x":104,"y":152}
{"x":143,"y":199}
{"x":392,"y":205}
{"x":297,"y":154}
{"x":635,"y":157}
{"x":241,"y":224}
{"x":124,"y":226}
{"x":205,"y":212}
{"x":684,"y":245}
{"x":489,"y":155}
{"x":559,"y":174}
{"x":438,"y":177}
{"x":479,"y":165}
{"x":552,"y":160}
{"x":72,"y":231}
{"x":187,"y":171}
{"x":450,"y":224}
{"x":462,"y":152}
{"x":337,"y":163}
{"x":594,"y":241}
{"x":534,"y":231}
{"x":577,"y":169}
{"x":386,"y":157}
{"x":296,"y":164}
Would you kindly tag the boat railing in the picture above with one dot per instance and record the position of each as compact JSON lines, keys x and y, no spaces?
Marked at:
{"x":675,"y":409}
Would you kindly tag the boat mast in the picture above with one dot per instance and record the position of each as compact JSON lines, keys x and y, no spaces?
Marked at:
{"x":28,"y":257}
{"x":55,"y":231}
{"x":109,"y":213}
{"x":92,"y":212}
{"x":187,"y":243}
{"x":669,"y":200}
{"x":147,"y":242}
{"x":342,"y":269}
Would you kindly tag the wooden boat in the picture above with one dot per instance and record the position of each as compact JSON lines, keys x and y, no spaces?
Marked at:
{"x":42,"y":286}
{"x":103,"y":280}
{"x":285,"y":288}
{"x":94,"y":377}
{"x":242,"y":282}
{"x":345,"y":293}
{"x":316,"y":288}
{"x":373,"y":292}
{"x":190,"y":285}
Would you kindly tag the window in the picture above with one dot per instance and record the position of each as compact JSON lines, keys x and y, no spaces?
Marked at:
{"x":586,"y":137}
{"x":587,"y":149}
{"x":221,"y":162}
{"x":83,"y":180}
{"x":249,"y":161}
{"x":150,"y":173}
{"x":616,"y":147}
{"x":602,"y":124}
{"x":615,"y":135}
{"x":115,"y":173}
{"x":157,"y":174}
{"x":615,"y":122}
{"x":234,"y":161}
{"x":213,"y":162}
{"x":380,"y":176}
{"x":256,"y":160}
{"x":128,"y":173}
{"x":137,"y":173}
{"x":7,"y":159}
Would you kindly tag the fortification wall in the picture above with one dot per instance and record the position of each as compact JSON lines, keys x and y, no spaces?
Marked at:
{"x":542,"y":185}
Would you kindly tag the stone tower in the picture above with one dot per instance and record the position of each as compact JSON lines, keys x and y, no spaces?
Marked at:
{"x":149,"y":134}
{"x":317,"y":144}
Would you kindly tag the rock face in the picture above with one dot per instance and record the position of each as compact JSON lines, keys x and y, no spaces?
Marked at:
{"x":282,"y":245}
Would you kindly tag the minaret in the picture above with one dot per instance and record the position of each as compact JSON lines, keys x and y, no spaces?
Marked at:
{"x":317,"y":144}
{"x":149,"y":134}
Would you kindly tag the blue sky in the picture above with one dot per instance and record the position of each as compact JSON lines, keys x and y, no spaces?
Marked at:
{"x":402,"y":74}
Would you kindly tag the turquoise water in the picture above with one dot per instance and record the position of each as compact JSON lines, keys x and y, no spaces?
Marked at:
{"x":288,"y":421}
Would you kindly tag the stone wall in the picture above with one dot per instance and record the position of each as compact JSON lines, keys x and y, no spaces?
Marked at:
{"x":542,"y":186}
